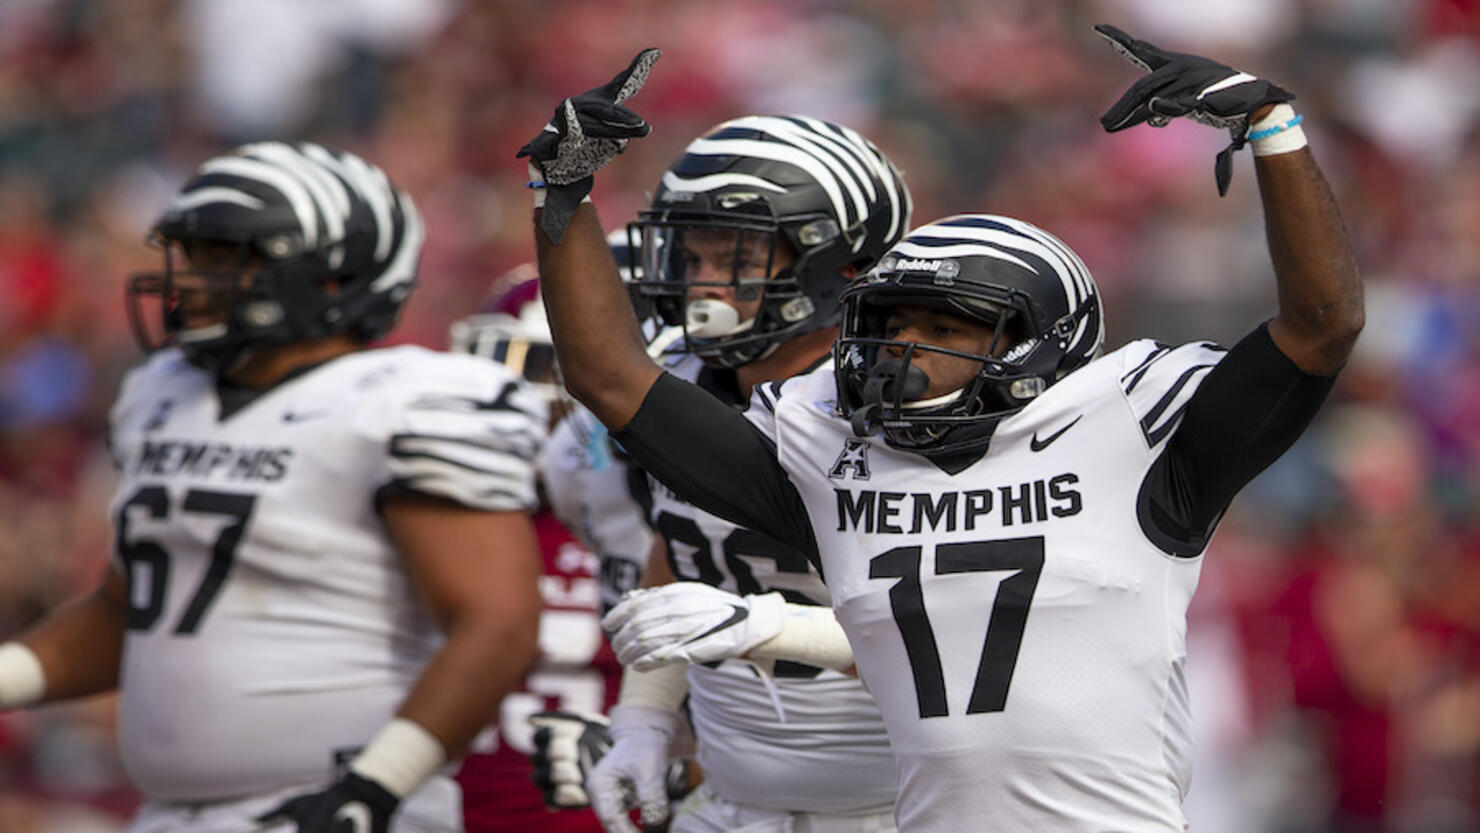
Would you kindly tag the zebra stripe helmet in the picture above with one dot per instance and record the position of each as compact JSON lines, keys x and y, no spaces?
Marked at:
{"x":280,"y":243}
{"x":819,"y":195}
{"x":1004,"y":272}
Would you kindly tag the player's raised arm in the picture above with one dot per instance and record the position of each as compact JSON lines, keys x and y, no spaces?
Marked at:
{"x":1263,"y":394}
{"x":596,"y":335}
{"x":1320,"y":292}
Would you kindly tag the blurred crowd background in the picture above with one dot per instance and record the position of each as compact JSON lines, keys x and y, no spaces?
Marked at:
{"x":1335,"y":641}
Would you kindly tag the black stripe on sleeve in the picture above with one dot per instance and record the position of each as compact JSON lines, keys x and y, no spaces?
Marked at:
{"x":767,"y":394}
{"x":424,"y":455}
{"x":1155,"y":414}
{"x":1140,"y":370}
{"x":529,"y":442}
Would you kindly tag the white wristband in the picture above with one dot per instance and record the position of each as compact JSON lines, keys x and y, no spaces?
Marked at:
{"x":22,"y":679}
{"x":536,"y":185}
{"x":811,"y":635}
{"x":661,"y":688}
{"x":400,"y":757}
{"x":1279,"y":132}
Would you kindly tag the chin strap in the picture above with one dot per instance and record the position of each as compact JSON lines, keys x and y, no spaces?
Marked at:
{"x":884,"y":383}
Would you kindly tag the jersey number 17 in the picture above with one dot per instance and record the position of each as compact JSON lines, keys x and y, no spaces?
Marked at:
{"x":1005,"y":629}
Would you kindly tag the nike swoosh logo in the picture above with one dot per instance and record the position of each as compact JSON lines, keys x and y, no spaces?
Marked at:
{"x":738,"y":616}
{"x":1039,"y":445}
{"x":357,"y":814}
{"x":303,"y":416}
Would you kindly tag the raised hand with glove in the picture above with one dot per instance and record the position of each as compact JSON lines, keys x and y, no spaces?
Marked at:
{"x":587,"y":131}
{"x":1204,"y":91}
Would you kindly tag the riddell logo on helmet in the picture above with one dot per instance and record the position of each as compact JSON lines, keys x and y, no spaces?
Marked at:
{"x":942,"y":268}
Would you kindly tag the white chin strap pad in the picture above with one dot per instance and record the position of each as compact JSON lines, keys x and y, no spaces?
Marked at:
{"x":920,"y":404}
{"x":709,"y":318}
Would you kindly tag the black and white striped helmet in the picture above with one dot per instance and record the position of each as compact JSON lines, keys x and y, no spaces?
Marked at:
{"x":816,"y":187}
{"x":327,"y":244}
{"x":1003,"y":271}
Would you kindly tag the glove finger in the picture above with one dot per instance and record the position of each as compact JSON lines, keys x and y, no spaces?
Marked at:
{"x":570,"y":797}
{"x":624,"y":609}
{"x":616,"y":133}
{"x":541,"y":754}
{"x":626,"y":83}
{"x":571,"y":133}
{"x":543,"y":778}
{"x":629,"y":647}
{"x":565,"y":772}
{"x":639,"y":638}
{"x":657,"y":659}
{"x":1144,"y":55}
{"x":652,"y":795}
{"x":1170,"y":107}
{"x":1131,"y":108}
{"x":1127,"y":112}
{"x":597,"y":113}
{"x":609,"y":805}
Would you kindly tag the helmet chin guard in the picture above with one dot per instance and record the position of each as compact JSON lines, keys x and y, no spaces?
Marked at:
{"x":709,"y":318}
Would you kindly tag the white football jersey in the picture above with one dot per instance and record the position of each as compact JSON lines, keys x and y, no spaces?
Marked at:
{"x":272,"y":627}
{"x":831,"y":753}
{"x":589,"y":486}
{"x":1023,"y":637}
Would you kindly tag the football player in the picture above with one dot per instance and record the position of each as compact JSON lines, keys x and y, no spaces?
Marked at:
{"x":1010,"y":523}
{"x":750,"y":238}
{"x":325,"y":573}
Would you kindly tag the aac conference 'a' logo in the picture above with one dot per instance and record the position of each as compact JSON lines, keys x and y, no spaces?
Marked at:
{"x":853,"y":461}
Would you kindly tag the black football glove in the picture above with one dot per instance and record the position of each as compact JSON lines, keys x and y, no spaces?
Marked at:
{"x":353,"y":804}
{"x":587,"y":132}
{"x":1187,"y":85}
{"x":566,"y":746}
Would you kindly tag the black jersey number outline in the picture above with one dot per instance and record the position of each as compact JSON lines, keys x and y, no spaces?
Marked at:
{"x":1009,"y":617}
{"x":143,"y":615}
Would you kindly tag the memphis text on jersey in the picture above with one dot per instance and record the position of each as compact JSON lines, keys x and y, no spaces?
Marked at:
{"x":205,"y":460}
{"x":910,"y":513}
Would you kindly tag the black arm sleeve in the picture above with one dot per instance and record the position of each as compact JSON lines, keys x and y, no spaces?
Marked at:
{"x":713,"y":457}
{"x":1250,"y":409}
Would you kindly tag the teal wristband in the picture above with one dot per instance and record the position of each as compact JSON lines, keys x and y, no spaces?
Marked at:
{"x":1265,"y":133}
